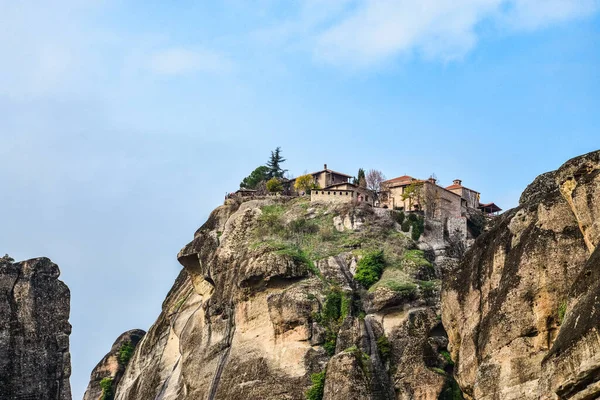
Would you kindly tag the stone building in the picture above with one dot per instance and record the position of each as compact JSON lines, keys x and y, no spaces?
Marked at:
{"x":327,"y":177}
{"x":470,"y":197}
{"x":342,"y":193}
{"x":426,"y":196}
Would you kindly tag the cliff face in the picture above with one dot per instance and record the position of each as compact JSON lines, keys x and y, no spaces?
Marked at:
{"x":267,"y":308}
{"x":110,"y":369}
{"x":521,"y":310}
{"x":34,"y":335}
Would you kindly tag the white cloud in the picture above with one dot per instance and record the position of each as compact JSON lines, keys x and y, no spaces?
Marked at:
{"x":375,"y":30}
{"x":180,"y":61}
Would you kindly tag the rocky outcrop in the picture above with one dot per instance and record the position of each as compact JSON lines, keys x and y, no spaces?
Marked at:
{"x":35,"y":361}
{"x":521,"y":308}
{"x":267,"y":299}
{"x":112,"y":366}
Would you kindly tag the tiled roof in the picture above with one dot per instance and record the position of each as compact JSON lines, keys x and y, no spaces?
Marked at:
{"x":331,"y":172}
{"x":452,"y":187}
{"x":403,"y":178}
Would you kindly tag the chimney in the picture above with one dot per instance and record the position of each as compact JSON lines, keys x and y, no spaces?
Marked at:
{"x":325,"y":166}
{"x":432,"y":180}
{"x":457,"y":182}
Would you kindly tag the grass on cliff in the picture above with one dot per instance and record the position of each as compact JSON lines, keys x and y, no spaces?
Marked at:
{"x":337,"y":306}
{"x":125,"y":353}
{"x":106,"y":384}
{"x":292,"y":226}
{"x":318,"y":386}
{"x":306,"y":232}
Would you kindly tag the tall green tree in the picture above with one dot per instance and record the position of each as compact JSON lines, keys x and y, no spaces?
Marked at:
{"x":260,"y":174}
{"x":360,"y":179}
{"x":274,"y":164}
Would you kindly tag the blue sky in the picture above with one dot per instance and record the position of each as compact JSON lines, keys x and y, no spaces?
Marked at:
{"x":123,"y":124}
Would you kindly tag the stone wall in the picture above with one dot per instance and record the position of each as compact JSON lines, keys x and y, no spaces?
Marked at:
{"x":340,"y":196}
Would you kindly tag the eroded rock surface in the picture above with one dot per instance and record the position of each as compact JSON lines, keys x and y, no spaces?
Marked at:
{"x":35,"y":362}
{"x":267,"y":298}
{"x":521,"y":309}
{"x":112,"y":366}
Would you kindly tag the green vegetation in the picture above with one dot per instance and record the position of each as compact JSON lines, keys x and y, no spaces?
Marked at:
{"x":369,"y":269}
{"x":416,"y":257}
{"x":274,"y":164}
{"x":447,"y":357}
{"x":106,"y":384}
{"x":562,"y":310}
{"x":451,"y":390}
{"x":385,"y":347}
{"x":305,"y":183}
{"x":264,"y":173}
{"x":125,"y":353}
{"x":438,"y":371}
{"x":6,"y":259}
{"x":274,"y":185}
{"x":399,"y":217}
{"x":318,"y":386}
{"x":406,"y":289}
{"x":337,"y":306}
{"x":299,"y":257}
{"x":260,"y":174}
{"x":360,"y":179}
{"x":428,"y":288}
{"x":406,"y":225}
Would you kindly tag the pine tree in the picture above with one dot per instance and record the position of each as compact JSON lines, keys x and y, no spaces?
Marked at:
{"x":274,"y":164}
{"x":360,"y":180}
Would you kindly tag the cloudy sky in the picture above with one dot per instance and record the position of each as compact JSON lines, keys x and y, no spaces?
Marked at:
{"x":123,"y":124}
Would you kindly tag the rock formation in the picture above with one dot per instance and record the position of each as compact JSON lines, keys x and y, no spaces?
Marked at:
{"x":34,"y":335}
{"x":522,"y":309}
{"x":268,"y":307}
{"x":110,"y":369}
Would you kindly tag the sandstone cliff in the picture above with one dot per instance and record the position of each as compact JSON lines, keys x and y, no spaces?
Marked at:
{"x":522,"y":308}
{"x":34,"y":335}
{"x":268,"y":307}
{"x":108,"y":373}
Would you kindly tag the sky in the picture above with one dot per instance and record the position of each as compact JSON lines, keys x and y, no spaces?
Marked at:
{"x":124,"y":123}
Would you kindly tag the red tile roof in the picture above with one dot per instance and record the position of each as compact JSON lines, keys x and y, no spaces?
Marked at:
{"x":452,"y":187}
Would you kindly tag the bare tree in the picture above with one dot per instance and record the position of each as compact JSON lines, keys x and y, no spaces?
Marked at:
{"x":431,"y":200}
{"x":374,"y":178}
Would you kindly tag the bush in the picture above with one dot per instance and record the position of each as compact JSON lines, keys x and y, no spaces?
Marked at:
{"x":303,"y":226}
{"x":418,"y":226}
{"x":299,"y":257}
{"x":399,"y":217}
{"x":428,"y":288}
{"x":416,"y":233}
{"x":562,"y":310}
{"x":304,"y":183}
{"x":269,"y":221}
{"x":107,"y":389}
{"x":405,"y":226}
{"x":274,"y":185}
{"x":329,"y":345}
{"x":125,"y":353}
{"x":370,"y":268}
{"x":332,"y":309}
{"x":318,"y":386}
{"x":384,"y":346}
